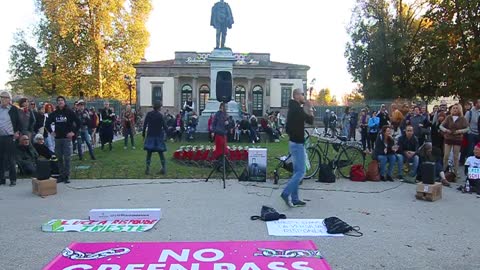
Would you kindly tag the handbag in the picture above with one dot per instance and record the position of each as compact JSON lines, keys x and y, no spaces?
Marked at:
{"x":268,"y":214}
{"x":335,"y":225}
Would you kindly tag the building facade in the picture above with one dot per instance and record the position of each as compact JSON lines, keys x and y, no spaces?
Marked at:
{"x":259,"y":85}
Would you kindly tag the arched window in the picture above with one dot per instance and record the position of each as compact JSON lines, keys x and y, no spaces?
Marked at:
{"x":257,"y":107}
{"x":241,"y":96}
{"x":187,"y":91}
{"x":204,"y":95}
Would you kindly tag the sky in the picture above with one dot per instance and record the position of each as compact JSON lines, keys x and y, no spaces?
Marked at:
{"x":307,"y":32}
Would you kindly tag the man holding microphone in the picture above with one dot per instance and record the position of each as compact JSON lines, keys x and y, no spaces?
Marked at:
{"x":296,"y":119}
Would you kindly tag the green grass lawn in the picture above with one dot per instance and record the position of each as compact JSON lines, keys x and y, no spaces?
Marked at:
{"x":130,"y":164}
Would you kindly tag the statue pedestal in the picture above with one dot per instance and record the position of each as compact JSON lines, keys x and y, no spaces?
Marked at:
{"x":220,"y":60}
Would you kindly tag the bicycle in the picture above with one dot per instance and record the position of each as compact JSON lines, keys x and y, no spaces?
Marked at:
{"x":346,"y":155}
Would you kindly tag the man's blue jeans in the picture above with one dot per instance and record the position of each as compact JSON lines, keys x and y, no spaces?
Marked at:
{"x":297,"y":152}
{"x":128,"y":132}
{"x":383,"y":159}
{"x":473,"y":139}
{"x":63,"y":151}
{"x":413,"y":160}
{"x":84,"y":137}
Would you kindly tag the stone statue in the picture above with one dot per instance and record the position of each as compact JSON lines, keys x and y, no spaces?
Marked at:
{"x":221,"y":19}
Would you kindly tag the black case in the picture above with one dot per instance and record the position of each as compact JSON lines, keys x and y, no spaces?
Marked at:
{"x":428,"y":173}
{"x":43,"y":169}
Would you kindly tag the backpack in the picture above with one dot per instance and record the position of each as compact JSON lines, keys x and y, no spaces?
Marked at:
{"x":373,"y":173}
{"x":335,"y":225}
{"x":325,"y":174}
{"x":357,"y":173}
{"x":268,"y":214}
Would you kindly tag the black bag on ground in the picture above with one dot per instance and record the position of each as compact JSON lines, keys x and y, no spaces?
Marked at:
{"x":325,"y":174}
{"x":268,"y":214}
{"x":335,"y":225}
{"x":44,"y":170}
{"x":427,"y":170}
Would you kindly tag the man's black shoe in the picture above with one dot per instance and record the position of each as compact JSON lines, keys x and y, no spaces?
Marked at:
{"x":59,"y":179}
{"x":285,"y":199}
{"x":389,"y":178}
{"x":299,"y":204}
{"x":66,"y":181}
{"x":382,"y":178}
{"x":13,"y":183}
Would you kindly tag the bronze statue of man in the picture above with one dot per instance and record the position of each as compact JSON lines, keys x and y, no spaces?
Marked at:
{"x":221,"y":19}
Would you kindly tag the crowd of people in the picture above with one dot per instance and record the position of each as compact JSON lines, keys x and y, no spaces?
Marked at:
{"x":411,"y":135}
{"x":54,"y":132}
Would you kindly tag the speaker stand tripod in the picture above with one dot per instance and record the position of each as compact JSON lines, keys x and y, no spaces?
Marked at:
{"x":223,"y":162}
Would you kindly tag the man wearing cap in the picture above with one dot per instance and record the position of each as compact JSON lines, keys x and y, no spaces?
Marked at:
{"x":383,"y":116}
{"x":83,"y":116}
{"x":66,"y":126}
{"x":9,"y":131}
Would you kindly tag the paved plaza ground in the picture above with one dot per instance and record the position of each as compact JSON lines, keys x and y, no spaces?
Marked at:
{"x":400,"y":232}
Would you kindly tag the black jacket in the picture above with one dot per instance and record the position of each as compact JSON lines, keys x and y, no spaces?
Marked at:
{"x":296,"y":119}
{"x":404,"y":144}
{"x":65,"y":121}
{"x":156,"y":125}
{"x":15,"y":118}
{"x":380,"y":146}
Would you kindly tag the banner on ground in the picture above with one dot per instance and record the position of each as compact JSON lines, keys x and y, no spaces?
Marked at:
{"x":251,"y":255}
{"x":298,"y":227}
{"x":79,"y":225}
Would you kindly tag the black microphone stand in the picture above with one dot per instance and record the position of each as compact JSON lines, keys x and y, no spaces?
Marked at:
{"x":223,"y":163}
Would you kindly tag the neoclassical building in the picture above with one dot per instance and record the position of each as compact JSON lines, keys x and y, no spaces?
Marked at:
{"x":259,"y":85}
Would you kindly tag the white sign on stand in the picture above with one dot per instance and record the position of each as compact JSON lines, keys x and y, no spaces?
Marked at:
{"x":257,"y":164}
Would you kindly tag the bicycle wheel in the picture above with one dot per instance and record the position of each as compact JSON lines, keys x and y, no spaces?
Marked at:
{"x":314,"y":160}
{"x":348,"y":157}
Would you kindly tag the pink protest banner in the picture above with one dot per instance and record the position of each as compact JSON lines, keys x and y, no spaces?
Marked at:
{"x":239,"y":255}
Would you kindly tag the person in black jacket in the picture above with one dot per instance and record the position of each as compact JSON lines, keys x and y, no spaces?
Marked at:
{"x":107,"y":121}
{"x":10,"y":128}
{"x":155,"y":127}
{"x":296,"y":118}
{"x":407,"y":147}
{"x":385,"y":153}
{"x":66,"y":126}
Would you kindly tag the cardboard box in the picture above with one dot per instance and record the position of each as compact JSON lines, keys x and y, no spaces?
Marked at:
{"x":257,"y":164}
{"x":44,"y":187}
{"x":429,"y":193}
{"x":125,"y":214}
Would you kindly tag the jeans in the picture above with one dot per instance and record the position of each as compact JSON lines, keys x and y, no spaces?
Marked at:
{"x":84,"y":136}
{"x":297,"y":152}
{"x":63,"y":151}
{"x":128,"y":132}
{"x":456,"y":154}
{"x":472,"y":141}
{"x":364,"y":136}
{"x":7,"y":158}
{"x":383,"y":159}
{"x":415,"y":160}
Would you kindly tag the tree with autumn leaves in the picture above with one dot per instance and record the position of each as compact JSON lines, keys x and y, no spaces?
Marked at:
{"x":417,"y":48}
{"x":83,"y":47}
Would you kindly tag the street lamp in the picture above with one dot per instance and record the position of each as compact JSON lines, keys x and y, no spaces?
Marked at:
{"x":129,"y":83}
